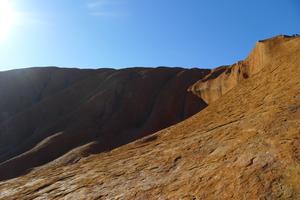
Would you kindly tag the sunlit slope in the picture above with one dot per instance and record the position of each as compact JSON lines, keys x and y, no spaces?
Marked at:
{"x":224,"y":78}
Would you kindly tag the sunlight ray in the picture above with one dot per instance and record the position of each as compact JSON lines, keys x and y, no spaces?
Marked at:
{"x":8,"y":18}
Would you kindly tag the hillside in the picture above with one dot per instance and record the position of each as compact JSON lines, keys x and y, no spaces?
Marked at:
{"x":46,"y":112}
{"x":244,"y":145}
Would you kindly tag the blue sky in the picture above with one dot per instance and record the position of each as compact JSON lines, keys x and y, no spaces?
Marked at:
{"x":128,"y":33}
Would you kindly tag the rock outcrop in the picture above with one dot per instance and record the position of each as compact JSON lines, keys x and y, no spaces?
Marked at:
{"x":46,"y":112}
{"x":224,"y":78}
{"x":244,"y":145}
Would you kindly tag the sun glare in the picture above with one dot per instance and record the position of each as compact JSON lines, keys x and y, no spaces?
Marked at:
{"x":8,"y":18}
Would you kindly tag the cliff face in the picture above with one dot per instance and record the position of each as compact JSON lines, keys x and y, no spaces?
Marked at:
{"x":223,"y":79}
{"x":47,"y":112}
{"x":244,"y":145}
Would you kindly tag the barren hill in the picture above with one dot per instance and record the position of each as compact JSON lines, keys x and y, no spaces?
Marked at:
{"x":46,"y":112}
{"x":244,"y":145}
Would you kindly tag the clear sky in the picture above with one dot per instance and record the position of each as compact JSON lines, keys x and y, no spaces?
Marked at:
{"x":127,"y":33}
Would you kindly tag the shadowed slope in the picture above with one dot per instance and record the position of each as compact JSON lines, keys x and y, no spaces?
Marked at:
{"x":103,"y":110}
{"x":21,"y":89}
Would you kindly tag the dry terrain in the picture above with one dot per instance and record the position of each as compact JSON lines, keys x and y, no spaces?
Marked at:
{"x":244,"y":145}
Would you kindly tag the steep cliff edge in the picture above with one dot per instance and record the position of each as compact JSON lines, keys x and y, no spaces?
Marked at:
{"x":223,"y":79}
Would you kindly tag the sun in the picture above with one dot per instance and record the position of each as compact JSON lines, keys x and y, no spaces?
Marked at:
{"x":8,"y":18}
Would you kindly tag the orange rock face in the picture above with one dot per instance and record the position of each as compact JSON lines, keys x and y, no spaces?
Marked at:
{"x":47,"y":112}
{"x":224,"y":78}
{"x":244,"y":145}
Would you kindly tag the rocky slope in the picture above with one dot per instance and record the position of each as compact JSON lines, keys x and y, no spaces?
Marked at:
{"x":244,"y":145}
{"x":46,"y":112}
{"x":224,"y":78}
